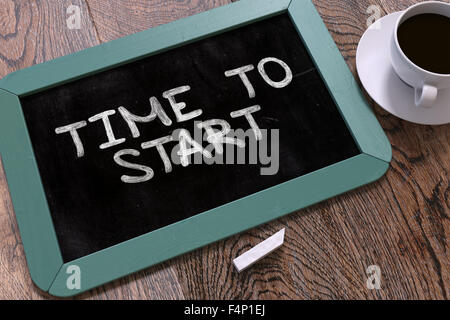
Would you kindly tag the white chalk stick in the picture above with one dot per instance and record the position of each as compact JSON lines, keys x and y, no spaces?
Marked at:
{"x":259,"y":251}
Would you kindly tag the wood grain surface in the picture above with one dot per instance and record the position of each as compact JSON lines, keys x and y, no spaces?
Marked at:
{"x":399,"y":223}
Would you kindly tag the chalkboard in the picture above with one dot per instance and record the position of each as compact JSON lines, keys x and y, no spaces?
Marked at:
{"x":144,"y":148}
{"x":92,"y":208}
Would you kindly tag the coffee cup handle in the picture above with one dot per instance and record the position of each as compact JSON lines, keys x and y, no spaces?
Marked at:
{"x":426,"y":96}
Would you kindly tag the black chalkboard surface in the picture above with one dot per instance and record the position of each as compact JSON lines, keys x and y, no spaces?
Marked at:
{"x":92,"y":208}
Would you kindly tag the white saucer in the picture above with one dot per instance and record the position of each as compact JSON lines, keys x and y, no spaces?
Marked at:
{"x":385,"y":87}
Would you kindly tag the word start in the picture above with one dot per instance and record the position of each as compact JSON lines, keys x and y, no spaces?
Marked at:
{"x":187,"y":146}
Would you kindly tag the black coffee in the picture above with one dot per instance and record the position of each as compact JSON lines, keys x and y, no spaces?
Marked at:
{"x":425,"y":40}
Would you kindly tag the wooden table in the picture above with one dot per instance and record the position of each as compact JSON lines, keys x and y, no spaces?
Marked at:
{"x":399,"y":223}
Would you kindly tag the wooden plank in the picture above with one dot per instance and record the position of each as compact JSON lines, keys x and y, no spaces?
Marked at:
{"x":34,"y":32}
{"x":15,"y":280}
{"x":416,"y":187}
{"x":400,"y":223}
{"x":118,"y":18}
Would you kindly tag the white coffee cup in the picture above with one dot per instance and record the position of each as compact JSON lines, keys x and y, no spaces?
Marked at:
{"x":426,"y":84}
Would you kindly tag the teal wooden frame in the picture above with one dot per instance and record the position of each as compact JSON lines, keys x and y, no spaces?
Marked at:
{"x":38,"y":235}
